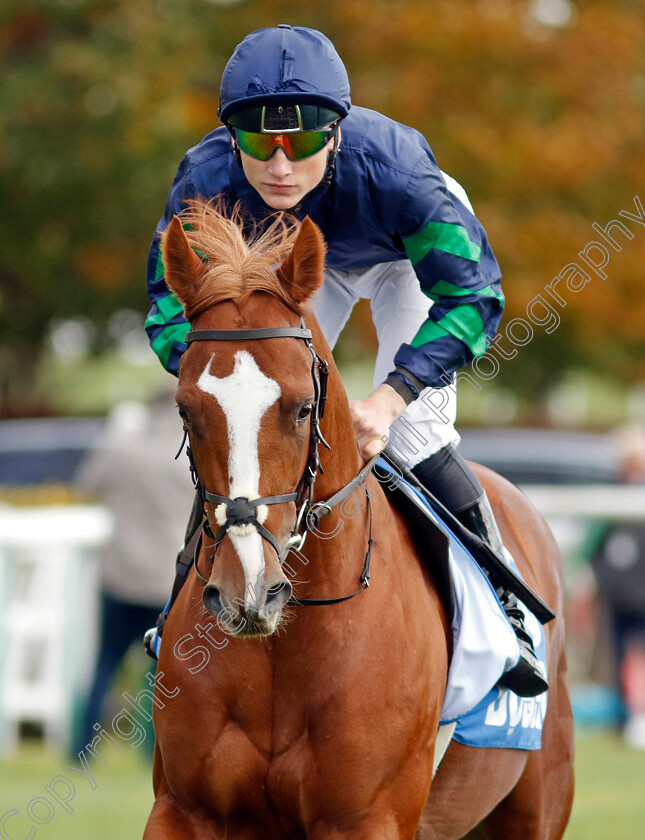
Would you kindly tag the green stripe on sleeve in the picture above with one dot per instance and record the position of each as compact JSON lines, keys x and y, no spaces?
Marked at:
{"x":444,"y":289}
{"x":462,"y":322}
{"x":162,"y":345}
{"x":453,"y":239}
{"x":169,"y":307}
{"x":160,"y":270}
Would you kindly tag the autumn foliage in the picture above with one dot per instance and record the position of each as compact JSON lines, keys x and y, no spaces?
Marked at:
{"x":536,"y":106}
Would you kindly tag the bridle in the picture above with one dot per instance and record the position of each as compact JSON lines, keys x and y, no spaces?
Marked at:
{"x":242,"y":511}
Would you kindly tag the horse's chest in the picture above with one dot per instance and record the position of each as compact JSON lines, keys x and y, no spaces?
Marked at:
{"x":322,"y":753}
{"x":283,"y":733}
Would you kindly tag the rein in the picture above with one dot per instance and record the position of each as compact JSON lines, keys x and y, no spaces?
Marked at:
{"x":243,"y":513}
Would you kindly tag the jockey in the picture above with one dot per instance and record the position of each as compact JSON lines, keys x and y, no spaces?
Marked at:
{"x":398,"y":231}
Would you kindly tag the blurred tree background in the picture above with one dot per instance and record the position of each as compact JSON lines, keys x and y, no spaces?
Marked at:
{"x":536,"y":106}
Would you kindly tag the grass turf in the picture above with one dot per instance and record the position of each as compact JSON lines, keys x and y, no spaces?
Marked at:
{"x":609,"y":803}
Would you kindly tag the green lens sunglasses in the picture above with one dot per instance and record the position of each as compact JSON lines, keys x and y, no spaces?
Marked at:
{"x":297,"y":145}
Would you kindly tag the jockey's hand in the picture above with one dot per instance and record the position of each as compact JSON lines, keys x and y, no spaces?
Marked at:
{"x":373,"y":417}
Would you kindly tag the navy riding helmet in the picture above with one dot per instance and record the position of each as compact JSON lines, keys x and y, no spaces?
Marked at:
{"x":284,"y":79}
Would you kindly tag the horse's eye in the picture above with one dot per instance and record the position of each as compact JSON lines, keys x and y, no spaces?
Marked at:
{"x":184,"y":416}
{"x":304,"y":413}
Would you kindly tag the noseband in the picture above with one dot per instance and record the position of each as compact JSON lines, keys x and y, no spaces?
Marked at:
{"x":240,"y":514}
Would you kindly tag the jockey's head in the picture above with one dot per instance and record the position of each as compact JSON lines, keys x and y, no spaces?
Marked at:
{"x":285,"y":88}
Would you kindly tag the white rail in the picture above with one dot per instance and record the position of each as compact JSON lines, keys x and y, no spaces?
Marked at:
{"x":48,"y":614}
{"x":620,"y":502}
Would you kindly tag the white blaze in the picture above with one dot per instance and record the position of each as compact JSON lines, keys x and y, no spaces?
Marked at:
{"x":244,"y":396}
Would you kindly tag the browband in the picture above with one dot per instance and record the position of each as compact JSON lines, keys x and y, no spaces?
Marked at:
{"x":241,"y":335}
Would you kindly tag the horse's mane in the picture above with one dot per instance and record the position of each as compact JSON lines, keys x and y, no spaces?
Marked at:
{"x":241,"y":258}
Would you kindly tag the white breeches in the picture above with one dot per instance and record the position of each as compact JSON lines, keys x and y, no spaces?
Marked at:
{"x":399,"y":307}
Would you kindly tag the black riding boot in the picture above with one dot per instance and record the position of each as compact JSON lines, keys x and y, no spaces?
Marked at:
{"x":448,"y":477}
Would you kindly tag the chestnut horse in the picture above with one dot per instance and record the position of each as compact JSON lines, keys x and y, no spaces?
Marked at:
{"x":275,"y":718}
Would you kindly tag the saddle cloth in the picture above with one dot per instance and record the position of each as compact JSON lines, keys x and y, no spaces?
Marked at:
{"x":484,"y":643}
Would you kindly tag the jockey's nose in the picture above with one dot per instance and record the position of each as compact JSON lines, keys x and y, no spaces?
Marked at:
{"x":279,"y":163}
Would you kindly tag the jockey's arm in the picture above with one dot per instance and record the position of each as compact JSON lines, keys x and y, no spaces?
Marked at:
{"x":458,"y":272}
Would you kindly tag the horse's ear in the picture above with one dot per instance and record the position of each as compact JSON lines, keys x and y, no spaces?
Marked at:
{"x":301,"y":274}
{"x":182,"y":265}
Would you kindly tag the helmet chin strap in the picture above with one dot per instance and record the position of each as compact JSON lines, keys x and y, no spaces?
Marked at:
{"x":331,"y":160}
{"x":236,"y":148}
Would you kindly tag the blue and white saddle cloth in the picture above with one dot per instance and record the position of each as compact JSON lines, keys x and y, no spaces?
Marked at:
{"x":484,"y":647}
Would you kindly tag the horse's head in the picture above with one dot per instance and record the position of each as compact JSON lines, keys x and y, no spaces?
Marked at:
{"x":246,"y":402}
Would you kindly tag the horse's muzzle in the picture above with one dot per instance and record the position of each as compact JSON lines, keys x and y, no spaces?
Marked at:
{"x":259,"y":619}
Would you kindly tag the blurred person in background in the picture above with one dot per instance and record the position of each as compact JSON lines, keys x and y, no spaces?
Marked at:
{"x":149,"y":494}
{"x":399,"y":232}
{"x":618,"y":562}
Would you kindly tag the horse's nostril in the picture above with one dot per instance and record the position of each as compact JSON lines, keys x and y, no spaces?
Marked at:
{"x":211,"y":599}
{"x":279,"y":592}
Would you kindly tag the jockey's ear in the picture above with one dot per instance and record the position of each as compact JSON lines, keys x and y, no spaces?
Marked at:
{"x":183,"y":267}
{"x":301,"y":274}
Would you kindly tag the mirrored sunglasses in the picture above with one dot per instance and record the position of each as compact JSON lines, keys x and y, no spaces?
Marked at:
{"x":297,"y":146}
